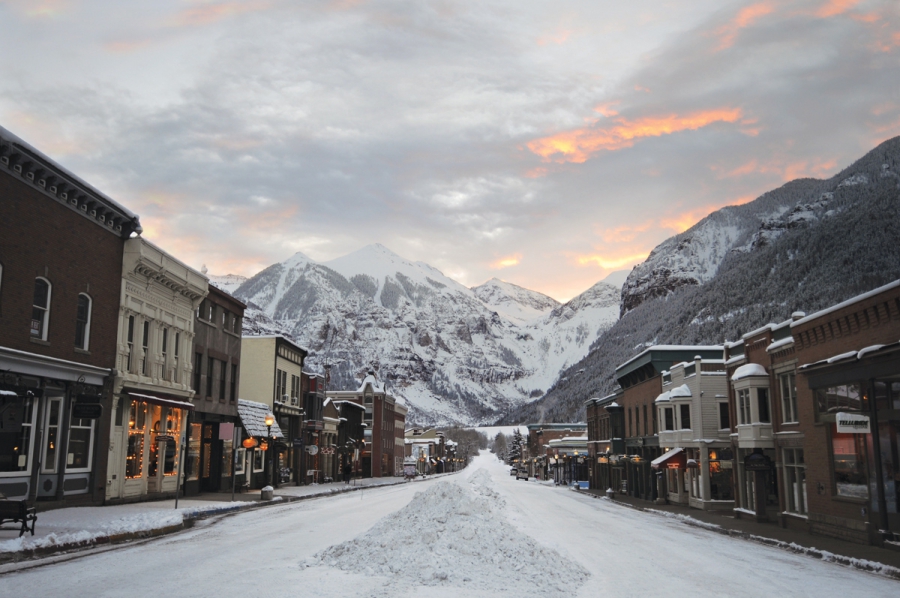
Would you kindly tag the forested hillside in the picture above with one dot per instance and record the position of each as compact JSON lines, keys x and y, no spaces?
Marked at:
{"x":841,"y":240}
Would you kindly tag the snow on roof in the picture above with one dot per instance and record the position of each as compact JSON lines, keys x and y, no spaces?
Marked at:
{"x":672,"y":348}
{"x":253,"y":417}
{"x":7,"y":393}
{"x":663,"y":398}
{"x":779,"y":344}
{"x":681,"y":391}
{"x":841,"y":356}
{"x":665,"y":456}
{"x":760,"y":330}
{"x":735,"y":359}
{"x":371,"y":379}
{"x":848,"y":302}
{"x":750,"y":369}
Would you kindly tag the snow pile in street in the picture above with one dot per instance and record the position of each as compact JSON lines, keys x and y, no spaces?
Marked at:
{"x":454,"y":536}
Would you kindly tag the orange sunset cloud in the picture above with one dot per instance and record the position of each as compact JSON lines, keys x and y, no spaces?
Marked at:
{"x":577,"y":146}
{"x":210,"y":13}
{"x":835,"y":7}
{"x":507,"y":262}
{"x":745,"y":17}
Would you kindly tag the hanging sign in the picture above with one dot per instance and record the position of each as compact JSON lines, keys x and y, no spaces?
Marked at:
{"x":852,"y":423}
{"x":87,"y":410}
{"x":312,"y":449}
{"x":226,"y":431}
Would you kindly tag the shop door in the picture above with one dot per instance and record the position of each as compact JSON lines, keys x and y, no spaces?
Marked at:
{"x":889,"y":433}
{"x":211,"y":459}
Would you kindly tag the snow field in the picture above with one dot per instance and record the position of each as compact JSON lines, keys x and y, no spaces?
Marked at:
{"x":456,"y":536}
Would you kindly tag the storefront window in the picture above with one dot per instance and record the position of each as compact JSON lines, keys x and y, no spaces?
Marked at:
{"x":795,"y":481}
{"x":227,"y":453}
{"x":134,"y":461}
{"x":848,"y":457}
{"x":240,"y":455}
{"x":155,"y":426}
{"x":720,"y":474}
{"x":81,"y":437}
{"x":15,"y":432}
{"x":192,"y":463}
{"x":173,"y":431}
{"x":846,"y":397}
{"x":51,"y":435}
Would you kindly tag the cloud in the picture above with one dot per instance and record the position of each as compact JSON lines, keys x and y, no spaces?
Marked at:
{"x":745,"y":17}
{"x":577,"y":146}
{"x":210,"y":13}
{"x":835,"y":7}
{"x":507,"y":262}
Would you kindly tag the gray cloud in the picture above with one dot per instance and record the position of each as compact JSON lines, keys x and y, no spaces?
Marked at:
{"x":322,"y":130}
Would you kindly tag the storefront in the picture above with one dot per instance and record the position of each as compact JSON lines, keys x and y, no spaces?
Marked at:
{"x":49,"y":412}
{"x":150,"y":427}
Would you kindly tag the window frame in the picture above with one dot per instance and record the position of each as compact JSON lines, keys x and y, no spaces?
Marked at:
{"x":45,"y":315}
{"x":47,"y":437}
{"x":86,"y":331}
{"x":90,"y":443}
{"x":789,"y":402}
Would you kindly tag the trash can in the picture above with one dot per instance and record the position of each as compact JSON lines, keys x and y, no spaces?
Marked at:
{"x":267,"y":493}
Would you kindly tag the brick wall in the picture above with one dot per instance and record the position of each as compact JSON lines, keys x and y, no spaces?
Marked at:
{"x":41,"y":237}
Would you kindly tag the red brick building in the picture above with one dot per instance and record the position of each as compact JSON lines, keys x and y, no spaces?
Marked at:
{"x":61,"y":251}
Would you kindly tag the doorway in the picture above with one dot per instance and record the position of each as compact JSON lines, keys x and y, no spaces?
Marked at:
{"x":210,"y":459}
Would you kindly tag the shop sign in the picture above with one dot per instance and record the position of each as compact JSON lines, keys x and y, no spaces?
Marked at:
{"x":312,"y":449}
{"x":852,"y":423}
{"x":757,"y":462}
{"x":87,"y":410}
{"x":165,"y":438}
{"x":226,"y":431}
{"x":602,"y":460}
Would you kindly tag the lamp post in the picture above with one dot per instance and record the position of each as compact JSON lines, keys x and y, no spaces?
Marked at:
{"x":270,"y":421}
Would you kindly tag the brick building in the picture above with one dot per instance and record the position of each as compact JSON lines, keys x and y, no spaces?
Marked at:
{"x":216,"y":381}
{"x":61,"y":247}
{"x":377,"y":457}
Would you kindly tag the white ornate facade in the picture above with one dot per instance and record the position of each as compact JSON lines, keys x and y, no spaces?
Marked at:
{"x":153,"y":385}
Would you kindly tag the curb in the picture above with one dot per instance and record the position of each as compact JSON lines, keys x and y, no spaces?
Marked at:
{"x":188,"y":520}
{"x":823,"y":555}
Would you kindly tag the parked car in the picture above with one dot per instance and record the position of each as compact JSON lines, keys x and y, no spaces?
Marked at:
{"x":513,"y":471}
{"x":522,"y":474}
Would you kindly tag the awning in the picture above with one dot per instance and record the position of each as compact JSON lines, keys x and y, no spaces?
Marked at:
{"x":673,"y":458}
{"x":154,"y":400}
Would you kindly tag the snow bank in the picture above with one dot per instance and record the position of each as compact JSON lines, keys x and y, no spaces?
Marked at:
{"x":457,"y":537}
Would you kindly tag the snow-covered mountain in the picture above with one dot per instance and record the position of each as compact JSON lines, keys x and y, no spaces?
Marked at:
{"x":694,"y":256}
{"x":453,"y":353}
{"x":228,"y":283}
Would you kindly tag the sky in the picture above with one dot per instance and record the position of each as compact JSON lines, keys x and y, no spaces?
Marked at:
{"x":543,"y":143}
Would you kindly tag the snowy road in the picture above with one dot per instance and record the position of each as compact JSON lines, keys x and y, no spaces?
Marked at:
{"x":488,"y":535}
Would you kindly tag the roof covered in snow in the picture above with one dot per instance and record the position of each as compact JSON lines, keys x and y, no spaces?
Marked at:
{"x":747,"y":370}
{"x":253,"y":417}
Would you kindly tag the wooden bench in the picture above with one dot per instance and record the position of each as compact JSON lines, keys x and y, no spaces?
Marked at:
{"x":18,"y":511}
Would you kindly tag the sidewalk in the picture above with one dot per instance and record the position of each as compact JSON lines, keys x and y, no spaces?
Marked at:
{"x":80,"y":528}
{"x":858,"y":556}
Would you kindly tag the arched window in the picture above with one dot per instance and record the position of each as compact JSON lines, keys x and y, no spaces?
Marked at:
{"x":40,"y":312}
{"x":83,"y":322}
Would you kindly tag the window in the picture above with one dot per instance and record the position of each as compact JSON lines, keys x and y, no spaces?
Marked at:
{"x":51,"y":435}
{"x":173,"y":431}
{"x":130,"y":342}
{"x":762,"y":401}
{"x":295,"y":386}
{"x":629,"y":423}
{"x":198,"y":371}
{"x":846,"y":397}
{"x":645,"y":420}
{"x":849,"y":460}
{"x":280,"y":385}
{"x":145,"y":345}
{"x":165,"y":353}
{"x":40,"y":310}
{"x":724,"y":420}
{"x":210,"y":369}
{"x":637,"y":421}
{"x":81,"y":440}
{"x":192,"y":459}
{"x":83,"y":322}
{"x":669,"y":417}
{"x":224,"y":318}
{"x":16,"y":439}
{"x":227,"y":454}
{"x":685,"y":416}
{"x":134,"y":459}
{"x":259,"y":461}
{"x":788,"y":386}
{"x":222,"y":374}
{"x":655,"y":426}
{"x":233,"y":389}
{"x":795,"y":480}
{"x":236,"y":325}
{"x":239,"y":456}
{"x":743,"y":397}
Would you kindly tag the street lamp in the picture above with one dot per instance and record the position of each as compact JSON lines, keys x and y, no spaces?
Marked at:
{"x":270,"y":421}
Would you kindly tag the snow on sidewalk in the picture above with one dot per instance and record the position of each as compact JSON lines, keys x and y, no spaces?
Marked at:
{"x":456,"y":536}
{"x":85,"y":525}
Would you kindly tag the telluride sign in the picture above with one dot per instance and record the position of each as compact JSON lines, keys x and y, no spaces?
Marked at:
{"x":852,"y":423}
